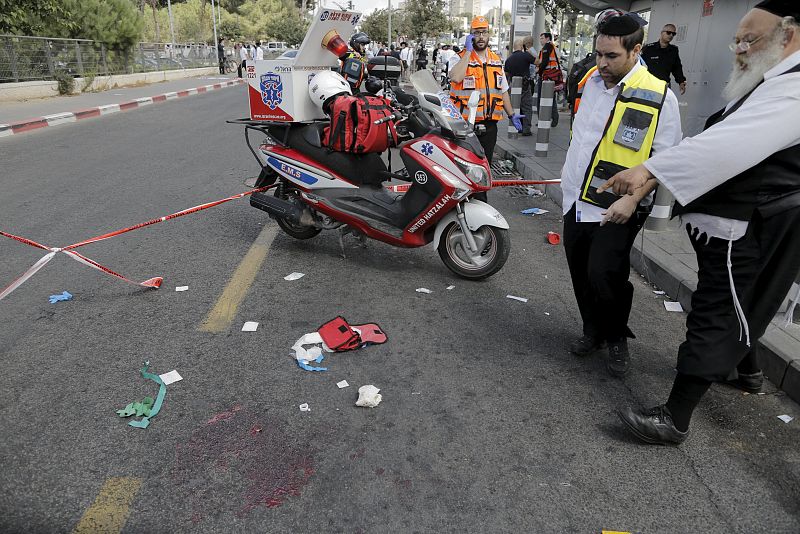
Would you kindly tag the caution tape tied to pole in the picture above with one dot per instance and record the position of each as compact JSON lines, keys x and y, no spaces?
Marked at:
{"x":69,"y":250}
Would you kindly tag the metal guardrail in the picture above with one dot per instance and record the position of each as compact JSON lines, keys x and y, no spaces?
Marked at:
{"x":25,"y":58}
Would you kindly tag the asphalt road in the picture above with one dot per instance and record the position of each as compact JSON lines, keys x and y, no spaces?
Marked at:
{"x":487,"y":424}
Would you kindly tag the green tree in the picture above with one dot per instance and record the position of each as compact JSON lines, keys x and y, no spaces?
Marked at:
{"x":33,"y":17}
{"x":288,"y":26}
{"x":116,"y":23}
{"x":425,"y":17}
{"x":376,"y":25}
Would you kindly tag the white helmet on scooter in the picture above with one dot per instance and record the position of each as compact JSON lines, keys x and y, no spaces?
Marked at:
{"x":325,"y":85}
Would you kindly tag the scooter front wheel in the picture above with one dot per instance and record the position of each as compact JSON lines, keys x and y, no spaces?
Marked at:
{"x":493,"y":243}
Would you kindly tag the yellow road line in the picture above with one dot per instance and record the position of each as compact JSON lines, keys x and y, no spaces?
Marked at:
{"x":223,"y":312}
{"x":111,"y":508}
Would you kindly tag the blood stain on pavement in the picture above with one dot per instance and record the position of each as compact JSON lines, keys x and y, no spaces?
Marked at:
{"x":236,"y":451}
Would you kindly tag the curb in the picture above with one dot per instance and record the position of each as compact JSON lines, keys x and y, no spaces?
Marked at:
{"x":62,"y":118}
{"x":775,"y":347}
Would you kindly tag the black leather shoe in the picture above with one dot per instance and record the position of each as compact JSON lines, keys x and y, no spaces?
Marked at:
{"x":653,"y":426}
{"x":526,"y":134}
{"x":619,"y":358}
{"x":750,"y":383}
{"x":585,"y":345}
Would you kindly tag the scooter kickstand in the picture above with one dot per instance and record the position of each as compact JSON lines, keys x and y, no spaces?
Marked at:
{"x":343,"y":230}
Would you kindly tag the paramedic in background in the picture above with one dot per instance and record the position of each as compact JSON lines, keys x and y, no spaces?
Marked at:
{"x":355,"y":71}
{"x":478,"y":68}
{"x":663,"y":59}
{"x":737,"y":187}
{"x":548,"y":68}
{"x":625,"y":114}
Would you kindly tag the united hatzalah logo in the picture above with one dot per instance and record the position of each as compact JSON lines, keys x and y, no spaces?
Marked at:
{"x":421,"y":177}
{"x":271,"y":90}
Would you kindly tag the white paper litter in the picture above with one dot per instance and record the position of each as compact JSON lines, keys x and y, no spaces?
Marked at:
{"x":423,"y":290}
{"x":786,"y":418}
{"x":368,"y":396}
{"x":182,"y":288}
{"x":342,"y":384}
{"x":250,"y":326}
{"x":312,"y":353}
{"x":294,"y":276}
{"x":659,"y":292}
{"x":521,"y":299}
{"x":169,"y":378}
{"x":546,"y":313}
{"x":450,"y":287}
{"x":673,"y":306}
{"x":304,"y":407}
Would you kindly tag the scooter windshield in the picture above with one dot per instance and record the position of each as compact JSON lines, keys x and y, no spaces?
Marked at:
{"x":433,"y":99}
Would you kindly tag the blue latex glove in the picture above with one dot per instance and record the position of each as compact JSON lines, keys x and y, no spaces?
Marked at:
{"x":516,"y":120}
{"x":63,"y":296}
{"x":468,"y":43}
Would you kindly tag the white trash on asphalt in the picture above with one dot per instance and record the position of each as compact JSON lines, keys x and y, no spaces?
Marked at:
{"x":305,"y":355}
{"x":521,"y":299}
{"x":342,"y":384}
{"x":786,"y":418}
{"x":673,"y":306}
{"x":368,"y":396}
{"x":304,"y":407}
{"x":424,"y":290}
{"x":182,"y":288}
{"x":450,"y":287}
{"x":294,"y":276}
{"x":250,"y":326}
{"x":171,"y":377}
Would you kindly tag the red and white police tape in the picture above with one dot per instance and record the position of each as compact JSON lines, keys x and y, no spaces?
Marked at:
{"x":69,"y":250}
{"x":61,"y":118}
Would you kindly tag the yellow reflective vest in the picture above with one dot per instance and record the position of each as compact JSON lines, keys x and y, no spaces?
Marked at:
{"x":486,"y":78}
{"x":628,"y":138}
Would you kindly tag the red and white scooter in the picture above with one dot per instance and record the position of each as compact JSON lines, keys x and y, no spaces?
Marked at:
{"x":316,"y":189}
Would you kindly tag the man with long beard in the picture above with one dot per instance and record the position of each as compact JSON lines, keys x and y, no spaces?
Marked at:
{"x":737,"y":185}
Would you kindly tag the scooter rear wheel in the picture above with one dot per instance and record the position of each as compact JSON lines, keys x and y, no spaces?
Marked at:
{"x":494,"y":245}
{"x":297,"y":231}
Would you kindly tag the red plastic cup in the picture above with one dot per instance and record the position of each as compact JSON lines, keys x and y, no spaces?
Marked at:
{"x":553,"y":238}
{"x":334,"y":43}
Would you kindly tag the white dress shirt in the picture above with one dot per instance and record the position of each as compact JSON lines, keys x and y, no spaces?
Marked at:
{"x":597,"y":103}
{"x":767,"y":122}
{"x":259,"y":53}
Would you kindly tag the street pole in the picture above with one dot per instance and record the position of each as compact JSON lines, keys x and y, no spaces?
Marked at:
{"x":500,"y":29}
{"x":171,"y":30}
{"x":389,"y":40}
{"x":216,"y":41}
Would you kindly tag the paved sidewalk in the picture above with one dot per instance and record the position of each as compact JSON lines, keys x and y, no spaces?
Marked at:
{"x":665,"y":258}
{"x":30,"y":111}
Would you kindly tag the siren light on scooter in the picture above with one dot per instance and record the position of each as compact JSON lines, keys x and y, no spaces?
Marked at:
{"x":334,"y":43}
{"x":472,"y":104}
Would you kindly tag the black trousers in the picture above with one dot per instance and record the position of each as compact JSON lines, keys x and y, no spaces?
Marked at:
{"x":526,"y":105}
{"x":488,"y":141}
{"x":599,"y":263}
{"x":765,"y":263}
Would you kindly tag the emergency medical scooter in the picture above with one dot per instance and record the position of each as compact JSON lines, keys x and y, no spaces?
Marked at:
{"x":316,"y":189}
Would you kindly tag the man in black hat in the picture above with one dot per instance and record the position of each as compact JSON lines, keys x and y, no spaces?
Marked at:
{"x":738,"y":193}
{"x":626,"y":114}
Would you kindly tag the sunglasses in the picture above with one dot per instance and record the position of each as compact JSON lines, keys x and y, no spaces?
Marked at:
{"x":670,"y":33}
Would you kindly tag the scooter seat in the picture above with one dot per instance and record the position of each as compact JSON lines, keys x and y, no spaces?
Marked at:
{"x":366,"y":169}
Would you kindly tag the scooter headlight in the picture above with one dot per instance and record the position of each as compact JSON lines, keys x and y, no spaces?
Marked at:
{"x":461,"y":188}
{"x":476,"y":173}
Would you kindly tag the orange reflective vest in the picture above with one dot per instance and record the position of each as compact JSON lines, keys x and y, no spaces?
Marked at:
{"x":552,"y":61}
{"x":486,"y":78}
{"x":579,"y":92}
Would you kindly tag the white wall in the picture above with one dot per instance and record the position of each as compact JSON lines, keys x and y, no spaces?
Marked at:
{"x":703,"y":43}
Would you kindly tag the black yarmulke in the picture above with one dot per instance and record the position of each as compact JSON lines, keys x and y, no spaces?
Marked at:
{"x":781,"y":8}
{"x":621,"y":25}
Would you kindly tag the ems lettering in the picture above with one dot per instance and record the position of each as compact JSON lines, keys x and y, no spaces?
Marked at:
{"x":290,"y":171}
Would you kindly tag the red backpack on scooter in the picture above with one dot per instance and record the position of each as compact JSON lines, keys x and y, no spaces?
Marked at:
{"x":353,"y":127}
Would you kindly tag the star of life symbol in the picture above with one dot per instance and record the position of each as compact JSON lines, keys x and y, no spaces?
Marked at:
{"x":629,"y":134}
{"x":427,"y":149}
{"x":271,"y":90}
